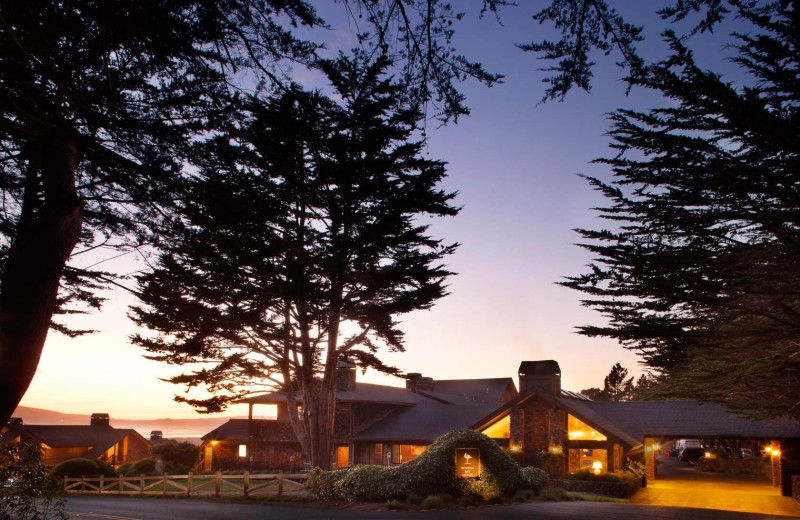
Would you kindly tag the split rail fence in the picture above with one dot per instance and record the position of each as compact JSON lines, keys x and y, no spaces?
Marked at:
{"x":270,"y":484}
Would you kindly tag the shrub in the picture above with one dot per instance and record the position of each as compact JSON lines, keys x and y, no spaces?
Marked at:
{"x":535,"y":478}
{"x":123,"y":469}
{"x":524,"y":494}
{"x":602,"y":477}
{"x":393,"y":504}
{"x":433,"y":502}
{"x":29,"y":493}
{"x":146,"y":466}
{"x":553,"y":494}
{"x":636,"y":467}
{"x":432,"y":472}
{"x":471,"y":500}
{"x":76,"y":468}
{"x":178,"y":458}
{"x":551,"y":463}
{"x":105,"y":468}
{"x":496,"y":500}
{"x":414,"y":499}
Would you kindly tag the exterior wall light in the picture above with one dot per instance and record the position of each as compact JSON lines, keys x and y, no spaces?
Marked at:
{"x":768,"y":449}
{"x":515,"y":448}
{"x":776,"y":452}
{"x":555,"y":449}
{"x":708,"y":455}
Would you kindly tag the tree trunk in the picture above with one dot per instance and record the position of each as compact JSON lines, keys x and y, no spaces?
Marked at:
{"x":48,"y":230}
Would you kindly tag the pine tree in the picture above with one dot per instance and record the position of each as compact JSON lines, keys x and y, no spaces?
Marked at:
{"x":301,"y":247}
{"x":700,"y":274}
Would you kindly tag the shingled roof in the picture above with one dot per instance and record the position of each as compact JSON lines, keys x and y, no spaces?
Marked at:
{"x":473,"y":391}
{"x":99,"y":438}
{"x":240,"y":430}
{"x":690,"y":419}
{"x":424,"y":423}
{"x":363,"y":393}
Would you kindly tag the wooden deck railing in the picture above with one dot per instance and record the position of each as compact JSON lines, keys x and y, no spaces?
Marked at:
{"x":192,"y":485}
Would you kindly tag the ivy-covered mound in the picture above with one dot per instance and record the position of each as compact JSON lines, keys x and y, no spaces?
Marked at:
{"x":432,"y":472}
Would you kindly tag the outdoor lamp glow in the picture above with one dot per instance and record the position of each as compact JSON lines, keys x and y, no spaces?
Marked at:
{"x":768,"y":449}
{"x":776,"y":452}
{"x":597,"y":467}
{"x":708,"y":454}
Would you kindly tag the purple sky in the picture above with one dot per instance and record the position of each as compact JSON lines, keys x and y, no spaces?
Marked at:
{"x":515,"y":164}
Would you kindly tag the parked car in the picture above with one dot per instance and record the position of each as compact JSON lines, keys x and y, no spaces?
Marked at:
{"x":674,"y":452}
{"x":692,"y":455}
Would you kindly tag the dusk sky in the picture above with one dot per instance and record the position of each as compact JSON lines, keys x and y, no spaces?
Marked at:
{"x":515,"y":163}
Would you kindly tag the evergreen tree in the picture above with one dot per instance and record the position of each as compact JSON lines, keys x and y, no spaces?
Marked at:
{"x":700,"y":276}
{"x":301,"y":246}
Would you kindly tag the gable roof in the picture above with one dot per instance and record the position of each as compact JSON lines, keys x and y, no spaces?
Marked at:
{"x":240,"y":430}
{"x":424,"y":422}
{"x":689,"y":419}
{"x":471,"y":391}
{"x":363,"y":393}
{"x":98,"y":438}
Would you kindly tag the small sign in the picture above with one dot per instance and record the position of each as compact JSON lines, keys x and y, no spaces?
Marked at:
{"x":468,"y":462}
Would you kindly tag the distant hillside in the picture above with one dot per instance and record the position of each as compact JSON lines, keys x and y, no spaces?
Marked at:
{"x":172,"y":428}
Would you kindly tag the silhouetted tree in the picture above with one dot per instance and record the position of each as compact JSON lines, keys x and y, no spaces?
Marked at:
{"x":700,"y":276}
{"x":301,"y":246}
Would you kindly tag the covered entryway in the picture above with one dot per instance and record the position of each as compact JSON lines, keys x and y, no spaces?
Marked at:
{"x":681,"y":485}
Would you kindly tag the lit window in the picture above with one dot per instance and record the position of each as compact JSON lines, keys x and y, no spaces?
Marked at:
{"x":499,"y":430}
{"x":243,"y":450}
{"x":580,"y":431}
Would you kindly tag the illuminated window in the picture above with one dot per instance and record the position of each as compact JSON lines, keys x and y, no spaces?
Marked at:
{"x":405,"y":452}
{"x":243,"y":450}
{"x":595,"y":461}
{"x":499,"y":430}
{"x":580,"y":431}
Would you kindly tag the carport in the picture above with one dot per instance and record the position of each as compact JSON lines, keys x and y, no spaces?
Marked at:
{"x":681,"y":485}
{"x":652,"y":423}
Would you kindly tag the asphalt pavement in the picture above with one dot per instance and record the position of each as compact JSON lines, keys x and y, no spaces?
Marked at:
{"x":129,"y":508}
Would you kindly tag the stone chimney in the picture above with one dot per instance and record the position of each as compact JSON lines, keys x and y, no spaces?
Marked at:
{"x":416,"y":383}
{"x":540,"y":375}
{"x":15,"y":421}
{"x":100,"y":419}
{"x":345,"y":375}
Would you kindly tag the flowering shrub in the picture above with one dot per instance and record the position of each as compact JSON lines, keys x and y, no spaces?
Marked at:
{"x":432,"y":472}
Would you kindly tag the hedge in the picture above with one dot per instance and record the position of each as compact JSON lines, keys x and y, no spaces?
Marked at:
{"x":430,"y":473}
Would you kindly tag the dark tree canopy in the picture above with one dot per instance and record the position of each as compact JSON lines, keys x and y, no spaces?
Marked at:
{"x":301,"y":246}
{"x":699,"y":274}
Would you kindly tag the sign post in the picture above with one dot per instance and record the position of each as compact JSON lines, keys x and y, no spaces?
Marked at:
{"x":468,"y":462}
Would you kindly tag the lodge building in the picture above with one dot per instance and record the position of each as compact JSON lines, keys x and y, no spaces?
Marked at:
{"x":377,"y":424}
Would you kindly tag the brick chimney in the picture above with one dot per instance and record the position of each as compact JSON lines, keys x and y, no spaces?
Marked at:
{"x":156,"y":435}
{"x":100,"y":419}
{"x":540,"y":375}
{"x":415,"y":382}
{"x":345,"y":375}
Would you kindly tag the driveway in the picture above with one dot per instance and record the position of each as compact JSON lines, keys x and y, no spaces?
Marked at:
{"x":679,"y":484}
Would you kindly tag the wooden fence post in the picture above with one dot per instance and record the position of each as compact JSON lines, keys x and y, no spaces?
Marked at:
{"x":120,"y":482}
{"x":165,"y":485}
{"x":217,"y":483}
{"x":102,"y":484}
{"x":83,"y":477}
{"x":189,"y":485}
{"x":280,"y":483}
{"x":141,"y":483}
{"x":246,"y":482}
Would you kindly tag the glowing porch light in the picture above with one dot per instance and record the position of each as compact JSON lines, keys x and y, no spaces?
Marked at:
{"x":597,"y":467}
{"x":768,"y":449}
{"x":515,"y":447}
{"x":776,"y":452}
{"x":708,"y":455}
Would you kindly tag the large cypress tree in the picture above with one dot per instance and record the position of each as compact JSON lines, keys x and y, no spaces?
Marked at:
{"x":301,"y":246}
{"x":700,"y":272}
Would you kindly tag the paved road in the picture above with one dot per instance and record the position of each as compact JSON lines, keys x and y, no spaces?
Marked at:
{"x":679,"y":484}
{"x":126,"y":508}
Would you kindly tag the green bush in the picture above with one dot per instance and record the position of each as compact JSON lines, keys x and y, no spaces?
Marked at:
{"x":414,"y":499}
{"x":471,"y":500}
{"x":553,"y":494}
{"x":146,"y":466}
{"x":551,"y":463}
{"x":635,"y":467}
{"x":392,"y":505}
{"x":178,"y":458}
{"x":25,"y":491}
{"x":106,"y":469}
{"x":433,"y":502}
{"x":602,"y":477}
{"x":432,"y":472}
{"x":124,"y":468}
{"x":76,"y":468}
